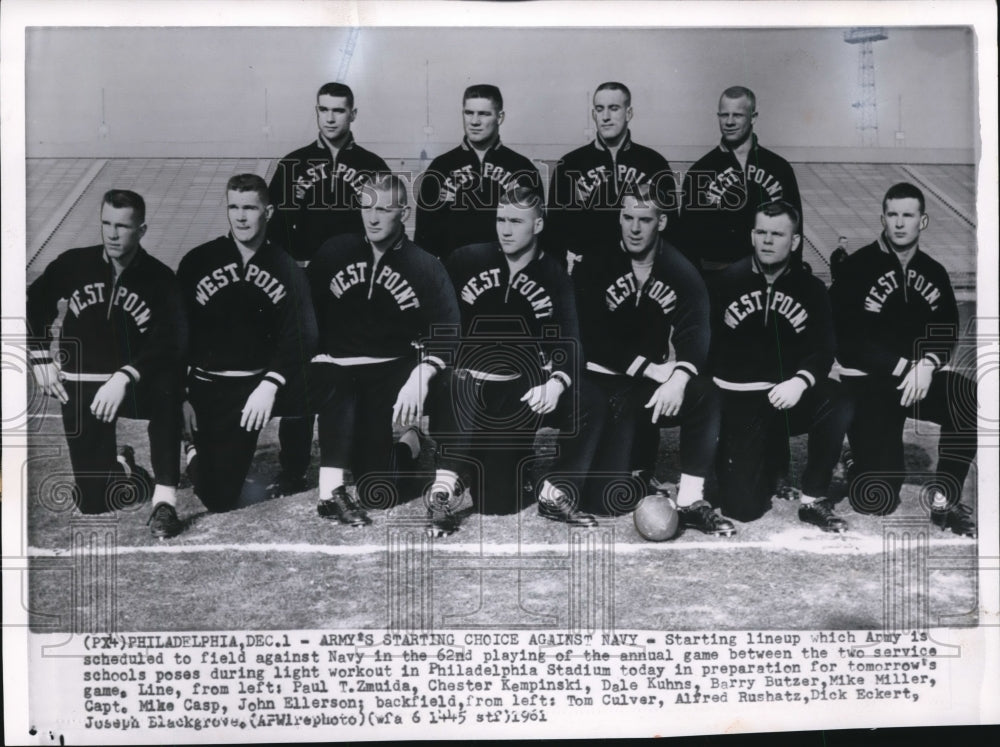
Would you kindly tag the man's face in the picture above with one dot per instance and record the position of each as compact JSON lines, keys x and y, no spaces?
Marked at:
{"x":120,"y":231}
{"x":248,"y":216}
{"x":334,"y":117}
{"x":382,"y":215}
{"x":641,"y":224}
{"x":611,"y":114}
{"x":517,"y":227}
{"x":774,"y":238}
{"x":842,"y":243}
{"x":735,"y":120}
{"x":481,"y":121}
{"x":903,"y":222}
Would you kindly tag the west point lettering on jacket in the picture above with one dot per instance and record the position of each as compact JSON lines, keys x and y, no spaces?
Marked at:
{"x":534,"y":293}
{"x":587,"y":183}
{"x":720,"y":191}
{"x":625,"y":288}
{"x":122,"y":297}
{"x":319,"y":172}
{"x":888,"y":283}
{"x":751,"y":304}
{"x":229,"y":274}
{"x":468,"y":178}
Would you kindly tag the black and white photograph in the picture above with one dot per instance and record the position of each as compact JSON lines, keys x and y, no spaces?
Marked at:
{"x":453,"y":370}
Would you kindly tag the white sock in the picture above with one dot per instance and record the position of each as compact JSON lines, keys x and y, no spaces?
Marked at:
{"x":549,"y":492}
{"x":125,"y":468}
{"x":939,"y":500}
{"x":189,"y":453}
{"x":446,"y":479}
{"x":164,"y":494}
{"x":805,"y":500}
{"x":330,"y":478}
{"x":690,"y":490}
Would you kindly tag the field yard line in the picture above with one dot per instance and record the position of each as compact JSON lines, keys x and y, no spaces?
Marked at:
{"x":821,"y":546}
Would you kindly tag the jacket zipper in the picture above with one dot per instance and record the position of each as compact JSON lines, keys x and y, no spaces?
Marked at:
{"x":767,"y":302}
{"x":114,"y":286}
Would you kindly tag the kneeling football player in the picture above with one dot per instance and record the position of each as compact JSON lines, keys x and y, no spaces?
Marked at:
{"x":252,"y":331}
{"x":634,"y":302}
{"x":772,"y":351}
{"x":379,"y":298}
{"x":121,"y":346}
{"x":517,"y":359}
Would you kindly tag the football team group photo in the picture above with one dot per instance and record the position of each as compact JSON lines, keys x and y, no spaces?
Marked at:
{"x":707,"y":344}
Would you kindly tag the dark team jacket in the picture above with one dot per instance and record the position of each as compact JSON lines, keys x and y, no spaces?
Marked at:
{"x":719,"y":201}
{"x":886,"y":316}
{"x":458,"y":195}
{"x":764,"y":333}
{"x":133,"y":323}
{"x":522,"y":324}
{"x":383,"y":309}
{"x":317,"y":196}
{"x":247,"y":317}
{"x":625,"y":326}
{"x":586,"y":191}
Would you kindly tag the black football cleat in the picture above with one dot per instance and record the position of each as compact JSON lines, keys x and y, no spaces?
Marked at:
{"x":288,"y":484}
{"x":702,"y":516}
{"x":561,"y":509}
{"x":126,"y":455}
{"x":441,"y":518}
{"x":787,"y":493}
{"x":343,"y":507}
{"x":163,"y":522}
{"x":957,"y":519}
{"x":821,"y":514}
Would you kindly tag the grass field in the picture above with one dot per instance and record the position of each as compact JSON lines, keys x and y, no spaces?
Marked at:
{"x":274,"y":564}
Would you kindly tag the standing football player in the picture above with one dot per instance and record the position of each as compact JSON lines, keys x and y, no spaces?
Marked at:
{"x":316,"y":194}
{"x":121,"y":355}
{"x":897,"y":319}
{"x":588,"y":183}
{"x":724,"y":188}
{"x":458,"y":194}
{"x":253,"y":330}
{"x":378,"y":298}
{"x":634,"y":303}
{"x":772,"y":351}
{"x":516,"y":362}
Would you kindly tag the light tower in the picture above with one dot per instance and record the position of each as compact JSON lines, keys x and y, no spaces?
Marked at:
{"x":867,"y":104}
{"x":345,"y":60}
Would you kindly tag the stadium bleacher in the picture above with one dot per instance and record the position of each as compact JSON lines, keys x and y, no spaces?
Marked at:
{"x":185,"y":204}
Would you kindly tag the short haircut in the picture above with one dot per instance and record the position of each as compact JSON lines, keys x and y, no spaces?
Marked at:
{"x":126,"y":198}
{"x":484,"y":91}
{"x":841,"y":238}
{"x":781,"y":207}
{"x":646,"y":195}
{"x":339,"y":90}
{"x":249,"y":183}
{"x":903,"y":191}
{"x":612,"y":85}
{"x":523,"y":196}
{"x":738,"y":92}
{"x":386,"y":181}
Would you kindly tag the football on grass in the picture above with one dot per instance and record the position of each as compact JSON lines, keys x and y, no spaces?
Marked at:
{"x":656,"y":517}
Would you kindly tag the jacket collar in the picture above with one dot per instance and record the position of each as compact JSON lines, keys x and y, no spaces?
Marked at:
{"x":626,"y":142}
{"x":884,"y":247}
{"x":394,"y":248}
{"x":789,"y":268}
{"x":753,"y":144}
{"x":137,"y":259}
{"x":348,"y":144}
{"x":660,"y":245}
{"x":466,"y":145}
